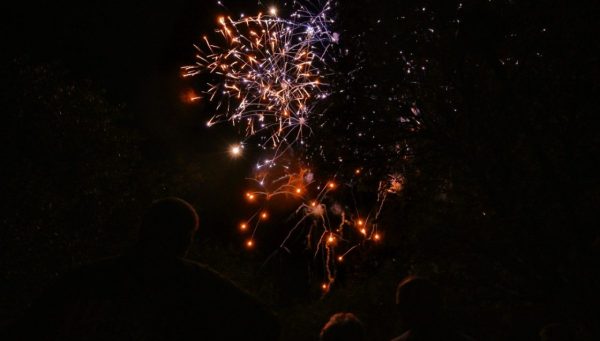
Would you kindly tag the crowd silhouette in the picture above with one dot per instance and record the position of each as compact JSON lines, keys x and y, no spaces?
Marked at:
{"x":153,"y":293}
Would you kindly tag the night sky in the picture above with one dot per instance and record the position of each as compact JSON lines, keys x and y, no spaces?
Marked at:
{"x":485,"y":109}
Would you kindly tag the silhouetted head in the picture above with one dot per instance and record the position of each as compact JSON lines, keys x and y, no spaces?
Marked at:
{"x":168,"y":227}
{"x":343,"y":327}
{"x":419,"y":302}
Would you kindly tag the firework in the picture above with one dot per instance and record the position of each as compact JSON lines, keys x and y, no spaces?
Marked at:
{"x":272,"y":73}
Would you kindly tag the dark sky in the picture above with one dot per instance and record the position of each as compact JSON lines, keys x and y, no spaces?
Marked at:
{"x":120,"y":45}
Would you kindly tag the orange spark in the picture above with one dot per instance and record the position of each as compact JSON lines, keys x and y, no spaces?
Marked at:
{"x":190,"y":96}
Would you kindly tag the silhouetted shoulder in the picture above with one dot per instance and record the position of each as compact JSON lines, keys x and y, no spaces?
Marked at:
{"x":147,"y":299}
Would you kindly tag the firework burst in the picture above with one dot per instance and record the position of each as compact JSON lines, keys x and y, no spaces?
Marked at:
{"x":272,"y":73}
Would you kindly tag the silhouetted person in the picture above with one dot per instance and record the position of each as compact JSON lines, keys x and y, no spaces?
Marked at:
{"x":151,"y":293}
{"x":343,"y":327}
{"x":420,"y":307}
